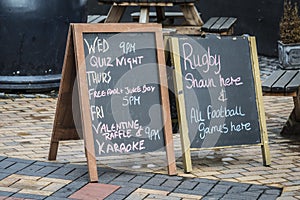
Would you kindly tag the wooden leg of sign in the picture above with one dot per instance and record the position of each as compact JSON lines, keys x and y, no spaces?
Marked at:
{"x":115,"y":14}
{"x":261,"y":111}
{"x":180,"y":103}
{"x":169,"y":144}
{"x":191,"y":14}
{"x":92,"y":166}
{"x":186,"y":154}
{"x":63,"y":126}
{"x":53,"y":150}
{"x":144,"y":16}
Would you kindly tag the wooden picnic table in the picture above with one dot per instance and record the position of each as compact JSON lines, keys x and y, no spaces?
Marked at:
{"x":118,"y":7}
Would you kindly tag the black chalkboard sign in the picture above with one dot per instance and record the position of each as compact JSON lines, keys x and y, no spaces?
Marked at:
{"x":120,"y":88}
{"x":219,"y":104}
{"x":124,"y":92}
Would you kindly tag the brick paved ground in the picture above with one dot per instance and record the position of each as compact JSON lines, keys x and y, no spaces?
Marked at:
{"x":229,"y":173}
{"x":25,"y":130}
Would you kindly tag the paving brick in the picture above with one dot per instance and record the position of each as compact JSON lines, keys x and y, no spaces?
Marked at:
{"x":237,"y":197}
{"x":162,"y":197}
{"x":171,"y":183}
{"x":267,"y":197}
{"x":5,"y":194}
{"x":220,"y":188}
{"x":292,"y":188}
{"x":55,"y":180}
{"x":292,"y":183}
{"x":249,"y":178}
{"x":46,"y":170}
{"x":53,"y":187}
{"x":163,"y":176}
{"x":9,"y":189}
{"x":237,"y":189}
{"x":94,"y":191}
{"x":140,"y":179}
{"x":29,"y":184}
{"x":125,"y":184}
{"x":226,"y":176}
{"x":203,"y":188}
{"x":28,"y":196}
{"x":76,"y":173}
{"x":185,"y":196}
{"x":8,"y":181}
{"x":62,"y":171}
{"x":49,"y":164}
{"x":56,"y":198}
{"x":64,"y":192}
{"x":193,"y":192}
{"x":30,"y":170}
{"x":158,"y":187}
{"x":5,"y":164}
{"x":152,"y":191}
{"x":35,"y":192}
{"x":3,"y":175}
{"x":189,"y":185}
{"x":273,"y":191}
{"x":115,"y":197}
{"x":2,"y":158}
{"x":202,"y":180}
{"x":258,"y":187}
{"x":108,"y":177}
{"x":18,"y":160}
{"x":136,"y":196}
{"x":69,"y":189}
{"x":124,"y":177}
{"x":155,"y":181}
{"x":125,"y":191}
{"x":213,"y":196}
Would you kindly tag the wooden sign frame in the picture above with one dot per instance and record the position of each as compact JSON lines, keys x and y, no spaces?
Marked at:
{"x":74,"y":74}
{"x":180,"y":101}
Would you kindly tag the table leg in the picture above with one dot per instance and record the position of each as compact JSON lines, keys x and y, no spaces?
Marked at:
{"x":191,"y":14}
{"x":115,"y":14}
{"x":144,"y":16}
{"x":160,"y":13}
{"x":292,"y":126}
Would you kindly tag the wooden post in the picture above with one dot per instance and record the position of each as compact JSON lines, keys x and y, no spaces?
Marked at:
{"x":64,"y":125}
{"x":180,"y":102}
{"x":260,"y":108}
{"x":160,"y":13}
{"x":144,"y":16}
{"x":115,"y":14}
{"x":191,"y":14}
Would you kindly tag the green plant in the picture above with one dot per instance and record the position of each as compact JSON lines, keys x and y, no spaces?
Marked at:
{"x":290,"y":23}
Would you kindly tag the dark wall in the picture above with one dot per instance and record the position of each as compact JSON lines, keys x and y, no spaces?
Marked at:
{"x":257,"y":17}
{"x":95,"y":9}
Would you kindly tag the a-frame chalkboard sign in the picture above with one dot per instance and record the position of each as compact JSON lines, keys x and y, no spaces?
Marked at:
{"x":113,"y":93}
{"x":219,"y":95}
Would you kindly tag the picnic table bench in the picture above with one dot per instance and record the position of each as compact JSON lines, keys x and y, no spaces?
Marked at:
{"x":220,"y":25}
{"x":286,"y":83}
{"x":282,"y":83}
